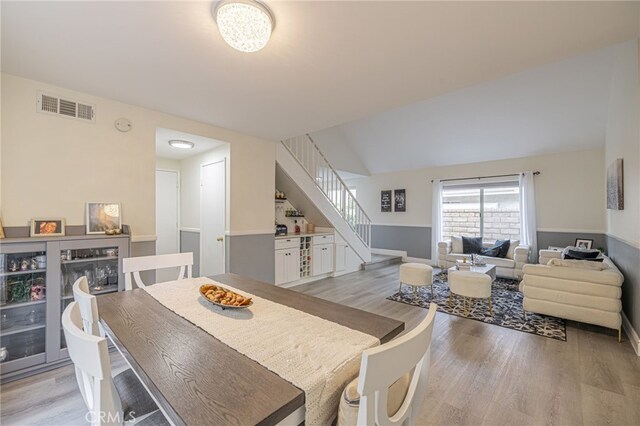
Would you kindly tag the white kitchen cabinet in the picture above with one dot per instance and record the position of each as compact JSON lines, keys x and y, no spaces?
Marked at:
{"x":322,"y":259}
{"x":287,"y":265}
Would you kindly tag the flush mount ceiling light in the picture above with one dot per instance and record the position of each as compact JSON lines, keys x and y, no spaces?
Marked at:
{"x":177,"y":143}
{"x":245,"y":25}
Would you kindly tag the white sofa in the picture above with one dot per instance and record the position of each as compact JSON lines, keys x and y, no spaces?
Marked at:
{"x":508,"y":267}
{"x":573,"y":290}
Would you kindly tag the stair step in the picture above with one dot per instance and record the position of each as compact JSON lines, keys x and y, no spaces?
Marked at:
{"x":381,"y":261}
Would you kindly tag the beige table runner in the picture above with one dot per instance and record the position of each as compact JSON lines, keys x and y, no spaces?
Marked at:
{"x":316,"y":355}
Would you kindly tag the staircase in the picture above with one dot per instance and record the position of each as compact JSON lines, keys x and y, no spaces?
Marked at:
{"x":301,"y":159}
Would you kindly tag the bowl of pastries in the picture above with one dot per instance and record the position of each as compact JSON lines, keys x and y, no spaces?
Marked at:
{"x":224,"y":298}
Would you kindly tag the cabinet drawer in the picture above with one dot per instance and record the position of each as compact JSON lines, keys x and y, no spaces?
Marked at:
{"x":322,"y":239}
{"x":285,"y":243}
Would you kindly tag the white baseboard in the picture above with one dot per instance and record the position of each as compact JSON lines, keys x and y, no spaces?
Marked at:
{"x":417,"y":260}
{"x":631,"y":334}
{"x":389,"y":252}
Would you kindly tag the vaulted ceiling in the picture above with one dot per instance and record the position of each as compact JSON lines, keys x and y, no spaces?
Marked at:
{"x":327,"y":63}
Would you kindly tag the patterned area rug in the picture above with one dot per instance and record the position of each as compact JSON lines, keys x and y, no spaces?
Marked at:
{"x":507,"y":307}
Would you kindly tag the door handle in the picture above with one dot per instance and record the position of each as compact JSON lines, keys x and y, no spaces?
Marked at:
{"x":220,"y":239}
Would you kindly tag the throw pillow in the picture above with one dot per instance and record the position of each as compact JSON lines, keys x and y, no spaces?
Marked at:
{"x":471,"y":245}
{"x":504,"y":247}
{"x":456,"y":245}
{"x":490,"y":251}
{"x":571,"y":253}
{"x":512,"y":248}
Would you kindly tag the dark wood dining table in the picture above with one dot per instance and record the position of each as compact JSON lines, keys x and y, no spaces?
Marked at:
{"x":198,"y":380}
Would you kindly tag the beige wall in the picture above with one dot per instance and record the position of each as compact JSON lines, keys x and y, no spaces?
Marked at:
{"x":51,"y":165}
{"x":167,"y":164}
{"x":623,"y":141}
{"x":569,"y":190}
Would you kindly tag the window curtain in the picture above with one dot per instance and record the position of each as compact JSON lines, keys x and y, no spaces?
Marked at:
{"x":528,"y":225}
{"x":436,"y":220}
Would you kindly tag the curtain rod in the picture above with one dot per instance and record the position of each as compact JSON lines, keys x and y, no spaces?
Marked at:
{"x":536,"y":173}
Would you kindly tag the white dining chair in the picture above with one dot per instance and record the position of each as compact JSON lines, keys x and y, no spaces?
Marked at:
{"x":393,"y":380}
{"x":110,"y":401}
{"x":132,"y":266}
{"x":88,"y":307}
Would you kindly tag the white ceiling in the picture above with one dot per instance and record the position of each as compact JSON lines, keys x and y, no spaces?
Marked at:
{"x":164,"y":150}
{"x":557,"y":107}
{"x":327,"y":63}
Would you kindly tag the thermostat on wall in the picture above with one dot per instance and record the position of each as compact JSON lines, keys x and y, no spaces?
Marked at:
{"x":123,"y":124}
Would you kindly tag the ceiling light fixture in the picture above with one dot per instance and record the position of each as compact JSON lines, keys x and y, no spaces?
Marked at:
{"x":245,"y":25}
{"x":177,"y":143}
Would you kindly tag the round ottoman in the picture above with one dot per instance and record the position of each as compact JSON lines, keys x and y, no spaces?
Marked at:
{"x":470,"y":284}
{"x":416,"y":275}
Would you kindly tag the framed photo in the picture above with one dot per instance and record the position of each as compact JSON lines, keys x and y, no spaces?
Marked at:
{"x":584,"y":244}
{"x":400,"y":200}
{"x":385,"y":201}
{"x":47,"y":227}
{"x":615,"y":186}
{"x":101,"y":217}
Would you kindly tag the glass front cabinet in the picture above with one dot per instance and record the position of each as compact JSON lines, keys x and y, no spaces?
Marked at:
{"x":36,"y":280}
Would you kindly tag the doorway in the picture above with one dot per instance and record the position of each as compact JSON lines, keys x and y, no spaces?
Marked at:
{"x":212,"y":218}
{"x":167,"y":218}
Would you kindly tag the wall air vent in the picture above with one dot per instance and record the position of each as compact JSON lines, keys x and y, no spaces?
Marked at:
{"x":51,"y":104}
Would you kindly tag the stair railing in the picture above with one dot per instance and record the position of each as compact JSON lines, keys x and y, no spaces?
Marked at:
{"x":313,"y":161}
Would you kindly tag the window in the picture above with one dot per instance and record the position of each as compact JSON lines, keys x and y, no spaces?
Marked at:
{"x":490,"y":211}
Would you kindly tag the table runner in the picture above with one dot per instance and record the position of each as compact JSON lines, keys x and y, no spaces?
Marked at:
{"x":316,"y":355}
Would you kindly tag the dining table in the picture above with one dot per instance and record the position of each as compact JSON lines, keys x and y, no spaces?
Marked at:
{"x":195,"y":378}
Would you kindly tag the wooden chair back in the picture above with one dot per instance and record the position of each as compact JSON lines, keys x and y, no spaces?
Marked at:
{"x":383,"y":365}
{"x":132,"y":267}
{"x":88,"y":307}
{"x":93,"y":370}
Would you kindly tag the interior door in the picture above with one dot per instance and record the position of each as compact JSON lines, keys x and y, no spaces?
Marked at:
{"x":212,"y":218}
{"x":167,"y":233}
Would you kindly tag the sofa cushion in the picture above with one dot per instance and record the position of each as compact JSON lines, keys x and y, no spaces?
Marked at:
{"x":504,"y":247}
{"x":471,"y":245}
{"x":512,"y":248}
{"x":583,"y":264}
{"x":607,"y":277}
{"x":456,"y":245}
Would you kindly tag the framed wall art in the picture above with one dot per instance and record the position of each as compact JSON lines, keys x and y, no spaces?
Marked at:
{"x":385,"y":201}
{"x":102,"y":217}
{"x":400,"y":200}
{"x":47,"y":227}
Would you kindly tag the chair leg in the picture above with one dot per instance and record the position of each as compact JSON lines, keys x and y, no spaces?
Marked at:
{"x":400,"y":288}
{"x":450,"y":298}
{"x":415,"y":293}
{"x":619,"y":334}
{"x":432,"y":292}
{"x":490,"y":307}
{"x":524,"y":313}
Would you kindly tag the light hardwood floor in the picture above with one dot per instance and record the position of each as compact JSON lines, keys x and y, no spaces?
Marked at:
{"x":480,"y":374}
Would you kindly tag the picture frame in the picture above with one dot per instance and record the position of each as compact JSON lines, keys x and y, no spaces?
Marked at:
{"x":100,"y":217}
{"x":385,"y":201}
{"x":400,"y":200}
{"x":615,"y":185}
{"x":583,"y":243}
{"x":47,"y":227}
